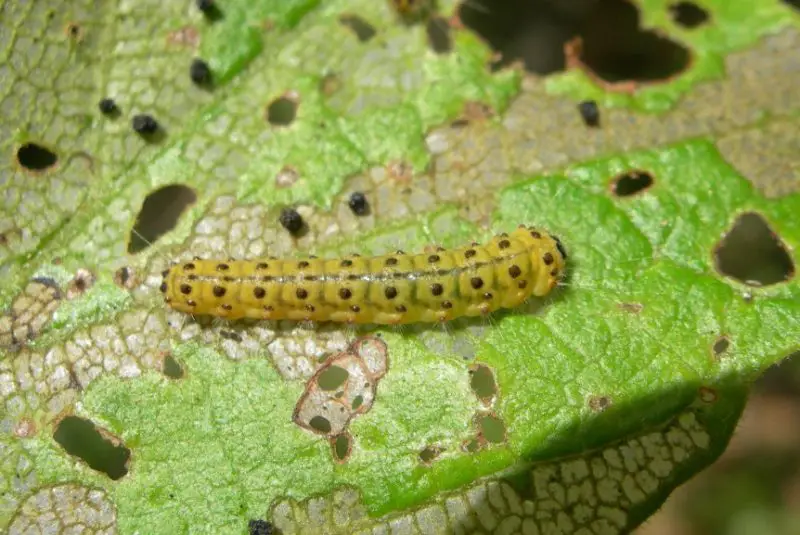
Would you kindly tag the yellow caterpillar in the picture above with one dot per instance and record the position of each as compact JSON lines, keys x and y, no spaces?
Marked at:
{"x":391,"y":289}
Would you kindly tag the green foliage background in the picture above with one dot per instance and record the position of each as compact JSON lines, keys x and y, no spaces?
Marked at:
{"x":635,"y":323}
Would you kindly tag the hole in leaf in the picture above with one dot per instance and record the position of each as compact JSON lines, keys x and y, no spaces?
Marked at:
{"x":605,"y":36}
{"x":614,"y":47}
{"x":472,"y":445}
{"x":332,"y":378}
{"x":688,"y":14}
{"x":721,"y":345}
{"x":363,"y":29}
{"x":340,"y":446}
{"x":492,"y":428}
{"x":321,"y":424}
{"x":429,"y":453}
{"x":631,"y":183}
{"x":159,"y":214}
{"x":357,"y":402}
{"x":34,"y":157}
{"x":80,"y":438}
{"x":261,"y":527}
{"x":74,"y":31}
{"x":80,"y":283}
{"x":482,"y":383}
{"x":286,"y":177}
{"x":438,"y":31}
{"x":752,"y":253}
{"x":282,"y":111}
{"x":125,"y":277}
{"x":171,"y":367}
{"x":599,"y":403}
{"x":530,"y":31}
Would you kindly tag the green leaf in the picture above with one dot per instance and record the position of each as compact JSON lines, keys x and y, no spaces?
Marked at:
{"x":576,"y":413}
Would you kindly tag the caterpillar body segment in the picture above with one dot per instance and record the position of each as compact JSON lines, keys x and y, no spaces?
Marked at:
{"x":391,"y":289}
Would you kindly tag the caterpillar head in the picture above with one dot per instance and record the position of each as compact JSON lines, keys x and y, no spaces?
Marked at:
{"x":548,"y":257}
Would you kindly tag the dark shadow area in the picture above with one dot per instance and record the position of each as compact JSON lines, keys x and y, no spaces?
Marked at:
{"x":783,"y":378}
{"x":793,"y":3}
{"x":751,"y":482}
{"x":281,"y":111}
{"x":631,"y":183}
{"x":438,"y":31}
{"x":363,"y":29}
{"x":231,"y":335}
{"x":81,"y":438}
{"x":688,"y":14}
{"x":752,"y":253}
{"x":34,"y":157}
{"x":604,"y":36}
{"x":159,"y":214}
{"x":756,"y":480}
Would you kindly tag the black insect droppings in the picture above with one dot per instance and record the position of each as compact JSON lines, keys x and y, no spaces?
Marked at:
{"x":107,"y":106}
{"x":209,"y":8}
{"x":144,"y":124}
{"x":200,"y":72}
{"x":358,"y":203}
{"x":590,"y":113}
{"x":260,"y":527}
{"x":291,"y":220}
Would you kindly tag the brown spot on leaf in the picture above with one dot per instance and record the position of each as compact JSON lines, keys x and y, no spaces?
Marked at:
{"x":80,"y":283}
{"x":186,"y":36}
{"x":599,"y":403}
